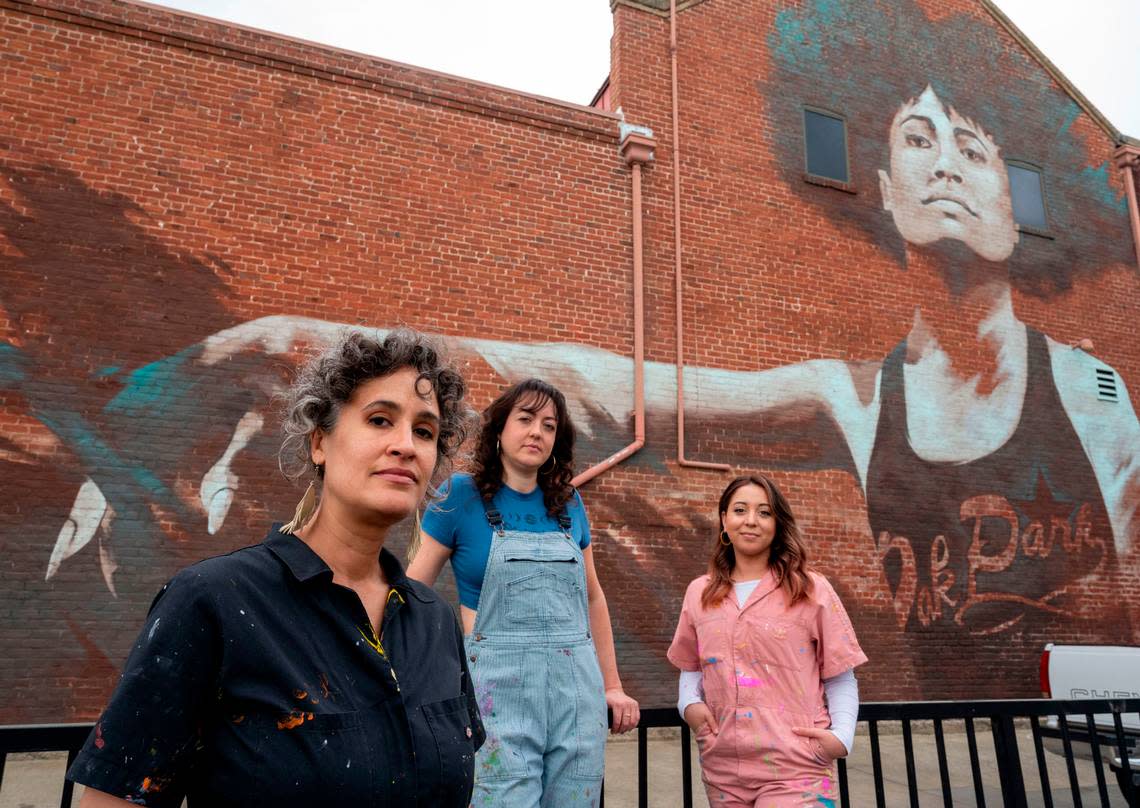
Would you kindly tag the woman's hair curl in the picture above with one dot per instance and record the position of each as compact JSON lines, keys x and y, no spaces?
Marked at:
{"x":328,"y":380}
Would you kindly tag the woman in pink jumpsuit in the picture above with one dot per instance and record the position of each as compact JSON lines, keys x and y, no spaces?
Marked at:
{"x":765,"y":734}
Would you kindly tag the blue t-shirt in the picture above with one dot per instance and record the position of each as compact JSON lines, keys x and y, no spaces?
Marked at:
{"x":458,"y":521}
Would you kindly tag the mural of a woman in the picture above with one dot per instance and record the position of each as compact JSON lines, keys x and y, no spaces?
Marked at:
{"x":1001,"y":493}
{"x":998,"y":489}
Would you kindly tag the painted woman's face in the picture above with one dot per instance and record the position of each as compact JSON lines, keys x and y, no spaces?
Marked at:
{"x":947,"y":180}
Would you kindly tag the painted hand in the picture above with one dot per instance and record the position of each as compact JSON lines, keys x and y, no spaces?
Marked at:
{"x":625,"y":710}
{"x":832,"y":746}
{"x":700,"y":718}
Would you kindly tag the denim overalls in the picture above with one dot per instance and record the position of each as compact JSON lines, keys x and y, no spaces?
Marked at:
{"x":536,"y":674}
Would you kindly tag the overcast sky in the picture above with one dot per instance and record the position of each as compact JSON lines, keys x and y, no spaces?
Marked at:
{"x":561,"y":49}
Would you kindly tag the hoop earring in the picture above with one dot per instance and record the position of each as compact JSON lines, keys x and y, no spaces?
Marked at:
{"x":498,"y":447}
{"x":727,"y":542}
{"x":553,"y":465}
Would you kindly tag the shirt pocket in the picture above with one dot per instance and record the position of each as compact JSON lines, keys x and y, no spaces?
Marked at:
{"x":779,"y":642}
{"x":309,"y":758}
{"x":453,"y":775}
{"x":544,"y":586}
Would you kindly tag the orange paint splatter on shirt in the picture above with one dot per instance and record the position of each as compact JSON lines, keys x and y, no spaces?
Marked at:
{"x":294,"y":719}
{"x":156,"y":784}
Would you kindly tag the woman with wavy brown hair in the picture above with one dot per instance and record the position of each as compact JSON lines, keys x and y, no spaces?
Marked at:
{"x":538,"y":634}
{"x":766,"y":653}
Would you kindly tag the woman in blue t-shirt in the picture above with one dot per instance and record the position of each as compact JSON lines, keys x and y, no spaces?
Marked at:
{"x":538,"y":635}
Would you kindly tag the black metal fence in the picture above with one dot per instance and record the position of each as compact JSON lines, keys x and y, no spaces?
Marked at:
{"x":45,"y":738}
{"x":1001,"y":717}
{"x":1076,"y":723}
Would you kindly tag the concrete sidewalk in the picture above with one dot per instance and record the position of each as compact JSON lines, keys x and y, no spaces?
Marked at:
{"x":35,"y":781}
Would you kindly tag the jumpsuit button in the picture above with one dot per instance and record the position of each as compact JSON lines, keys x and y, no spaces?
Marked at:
{"x":472,"y":657}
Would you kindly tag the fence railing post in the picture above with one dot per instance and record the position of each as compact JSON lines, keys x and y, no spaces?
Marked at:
{"x":1009,"y":762}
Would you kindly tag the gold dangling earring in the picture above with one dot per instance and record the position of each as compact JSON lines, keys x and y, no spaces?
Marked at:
{"x":727,"y":542}
{"x":305,"y":508}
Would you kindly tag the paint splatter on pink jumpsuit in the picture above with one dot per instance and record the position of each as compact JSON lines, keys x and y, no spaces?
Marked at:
{"x":763,"y":667}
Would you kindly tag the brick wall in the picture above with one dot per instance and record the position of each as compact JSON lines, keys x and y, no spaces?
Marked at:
{"x":187,"y":205}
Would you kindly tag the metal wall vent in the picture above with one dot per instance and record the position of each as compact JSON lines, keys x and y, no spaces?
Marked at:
{"x":1105,"y":384}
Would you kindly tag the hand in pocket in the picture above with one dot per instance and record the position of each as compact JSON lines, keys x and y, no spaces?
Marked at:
{"x":700,"y":719}
{"x":822,"y":740}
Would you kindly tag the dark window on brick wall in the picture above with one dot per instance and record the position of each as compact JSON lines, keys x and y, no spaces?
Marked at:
{"x":825,"y":138}
{"x":1025,"y":188}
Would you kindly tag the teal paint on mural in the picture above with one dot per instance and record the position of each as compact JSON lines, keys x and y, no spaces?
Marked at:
{"x":1071,"y":116}
{"x":147,"y":480}
{"x":12,"y":364}
{"x":792,"y":37}
{"x":798,"y":37}
{"x":98,"y":458}
{"x":110,"y":370}
{"x":155,"y":387}
{"x":1096,"y":179}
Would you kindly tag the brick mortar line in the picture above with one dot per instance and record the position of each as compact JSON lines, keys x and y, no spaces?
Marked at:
{"x":340,"y":77}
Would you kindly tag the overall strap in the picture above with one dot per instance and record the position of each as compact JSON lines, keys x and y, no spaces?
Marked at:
{"x":494,"y":518}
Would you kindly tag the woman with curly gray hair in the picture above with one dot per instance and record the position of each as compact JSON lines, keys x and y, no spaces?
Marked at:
{"x":309,"y":669}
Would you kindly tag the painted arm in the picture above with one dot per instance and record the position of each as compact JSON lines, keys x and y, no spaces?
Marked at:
{"x":826,"y":408}
{"x":625,"y":709}
{"x":277,"y":334}
{"x":1109,"y":433}
{"x":429,"y":560}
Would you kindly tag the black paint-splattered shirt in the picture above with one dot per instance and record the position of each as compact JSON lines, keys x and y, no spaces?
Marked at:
{"x":256,"y":680}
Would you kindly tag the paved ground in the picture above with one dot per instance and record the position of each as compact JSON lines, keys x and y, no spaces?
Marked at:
{"x":35,"y":781}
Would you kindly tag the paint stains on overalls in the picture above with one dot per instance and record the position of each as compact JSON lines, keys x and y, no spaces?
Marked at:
{"x":762,"y":667}
{"x":536,"y":674}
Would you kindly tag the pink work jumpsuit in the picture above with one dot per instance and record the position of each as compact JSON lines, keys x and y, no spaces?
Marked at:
{"x":762,"y":668}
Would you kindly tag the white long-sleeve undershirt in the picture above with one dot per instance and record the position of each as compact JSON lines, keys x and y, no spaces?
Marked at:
{"x":841,"y":691}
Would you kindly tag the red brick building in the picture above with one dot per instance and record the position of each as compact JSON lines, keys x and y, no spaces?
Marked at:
{"x":187,"y":205}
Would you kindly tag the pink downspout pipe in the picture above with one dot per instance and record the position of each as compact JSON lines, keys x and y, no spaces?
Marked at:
{"x":677,"y":274}
{"x":637,"y":149}
{"x":1128,"y":160}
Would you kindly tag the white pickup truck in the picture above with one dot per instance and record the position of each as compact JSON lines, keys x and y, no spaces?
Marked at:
{"x":1077,"y":672}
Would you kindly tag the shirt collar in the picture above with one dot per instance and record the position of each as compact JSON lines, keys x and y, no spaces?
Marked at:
{"x":305,"y":565}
